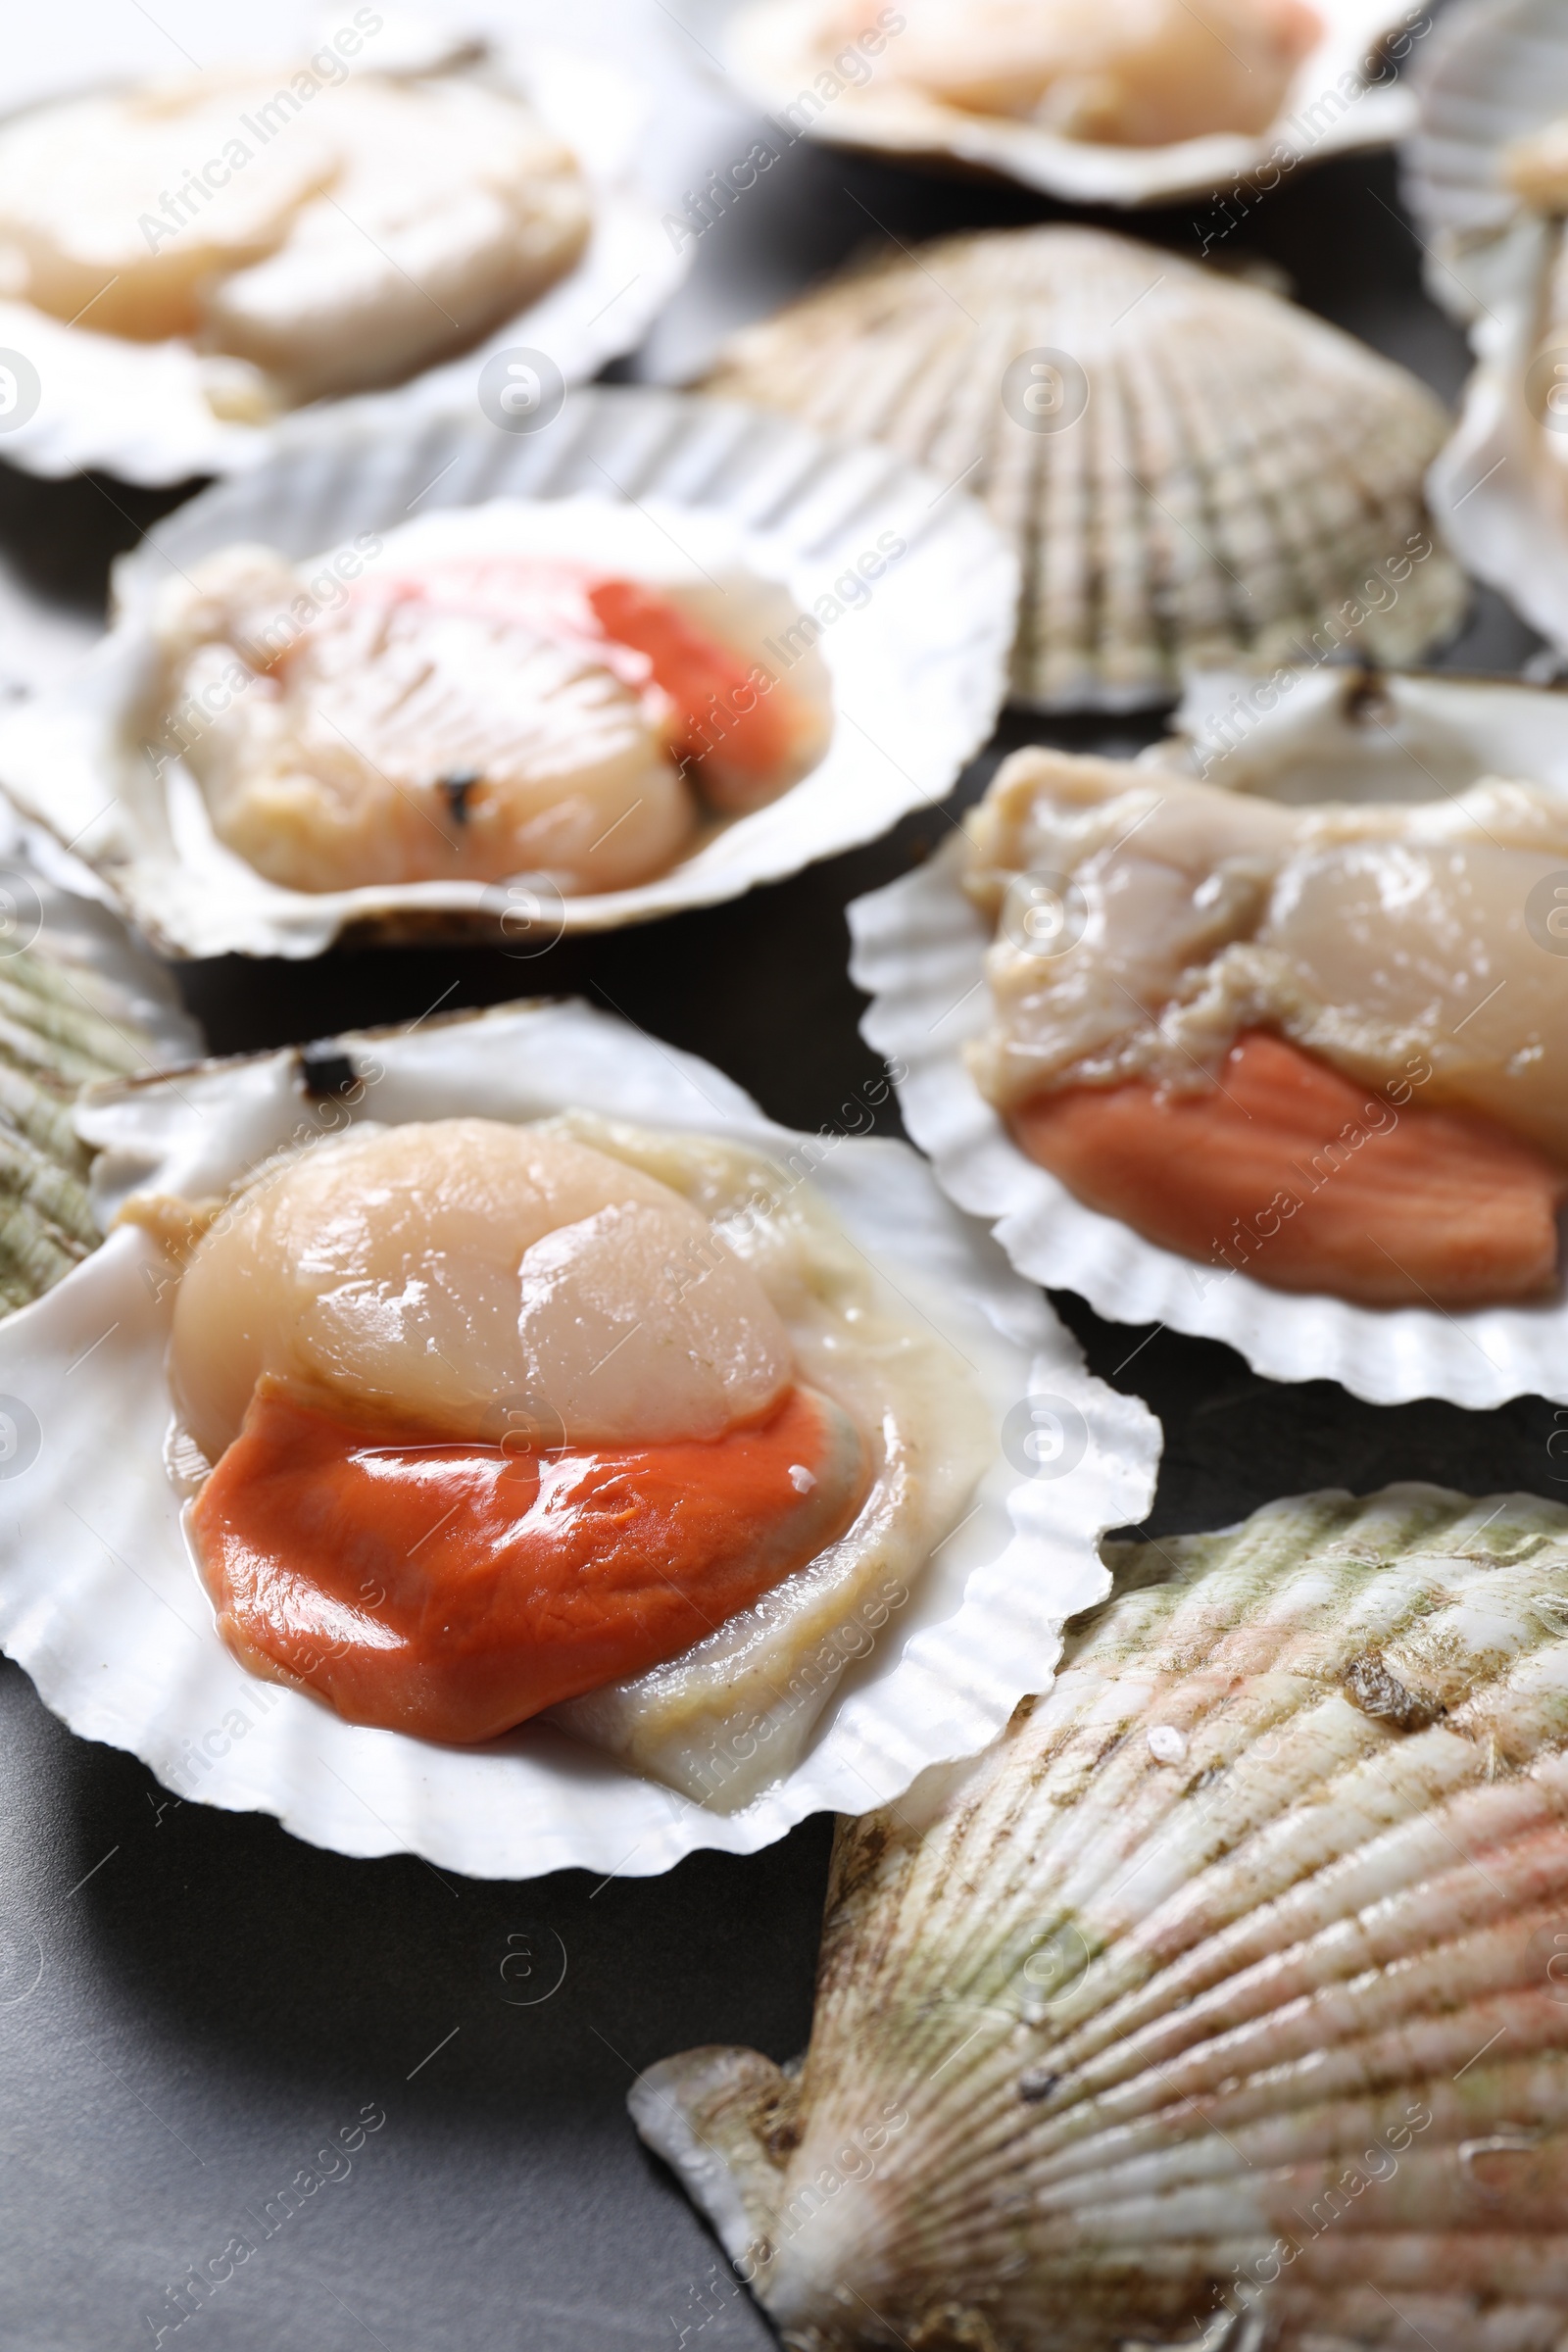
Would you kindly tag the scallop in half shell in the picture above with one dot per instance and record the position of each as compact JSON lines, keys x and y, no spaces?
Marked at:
{"x":1225,"y":2001}
{"x":1297,"y":736}
{"x":1191,"y":468}
{"x":1018,"y":1460}
{"x":1114,"y":105}
{"x":842,"y":572}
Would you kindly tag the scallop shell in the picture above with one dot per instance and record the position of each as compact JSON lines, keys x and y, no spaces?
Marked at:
{"x":1497,"y":71}
{"x":1209,"y":471}
{"x":1492,"y":71}
{"x":79,"y":1002}
{"x":141,"y":411}
{"x":914,"y":692}
{"x":1349,"y":734}
{"x":100,"y":1602}
{"x":1332,"y":105}
{"x":1224,"y":2004}
{"x":919,"y":950}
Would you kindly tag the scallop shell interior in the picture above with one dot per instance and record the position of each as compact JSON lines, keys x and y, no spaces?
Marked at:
{"x":158,"y":413}
{"x":919,"y":952}
{"x":101,"y":1602}
{"x":662,"y":485}
{"x":1191,"y":468}
{"x":776,"y":53}
{"x":1225,"y":2001}
{"x":1348,"y":734}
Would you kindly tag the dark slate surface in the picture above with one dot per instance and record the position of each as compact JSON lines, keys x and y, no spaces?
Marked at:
{"x":190,"y":2002}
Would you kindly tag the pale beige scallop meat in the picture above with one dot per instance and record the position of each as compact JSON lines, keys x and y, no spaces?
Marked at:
{"x":585,"y":1282}
{"x":407,"y":739}
{"x":737,"y":1711}
{"x":471,"y":1279}
{"x":449,"y":212}
{"x":89,"y":231}
{"x":1371,"y":935}
{"x":1131,"y":73}
{"x":334,"y":236}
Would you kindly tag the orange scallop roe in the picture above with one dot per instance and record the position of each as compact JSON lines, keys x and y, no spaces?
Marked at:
{"x":741,"y":737}
{"x":1309,"y":1181}
{"x":453,"y":1590}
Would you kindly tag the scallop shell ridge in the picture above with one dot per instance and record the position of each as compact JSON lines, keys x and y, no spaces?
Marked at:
{"x":1225,"y":2001}
{"x":80,"y":1002}
{"x":1239,"y":473}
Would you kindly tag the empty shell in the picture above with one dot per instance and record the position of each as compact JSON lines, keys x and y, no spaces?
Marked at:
{"x":1191,"y":468}
{"x":1224,"y":2002}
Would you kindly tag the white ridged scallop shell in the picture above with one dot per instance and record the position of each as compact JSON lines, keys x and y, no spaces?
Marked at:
{"x":1492,"y":71}
{"x":772,"y":52}
{"x":916,"y":673}
{"x":1498,"y":70}
{"x":919,"y":953}
{"x":140,"y":411}
{"x":79,"y":1001}
{"x":100,"y":1603}
{"x":1239,"y":471}
{"x":1224,"y":2002}
{"x":1340,"y":733}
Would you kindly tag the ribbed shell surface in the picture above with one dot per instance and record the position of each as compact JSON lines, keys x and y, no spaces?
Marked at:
{"x":1225,"y":2002}
{"x":1242,"y":472}
{"x":60,"y":1028}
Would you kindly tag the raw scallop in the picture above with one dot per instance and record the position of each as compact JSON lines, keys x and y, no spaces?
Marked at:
{"x":472,"y":707}
{"x":890,"y":1297}
{"x":334,"y":246}
{"x":1225,"y":2001}
{"x":566,"y":1288}
{"x":423,"y":1275}
{"x":407,"y":740}
{"x":1375,"y":936}
{"x":1135,"y":102}
{"x":1134,"y":72}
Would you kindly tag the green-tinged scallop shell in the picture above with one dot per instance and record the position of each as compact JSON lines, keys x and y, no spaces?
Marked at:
{"x":1225,"y":2001}
{"x":61,"y":1027}
{"x":1191,"y":469}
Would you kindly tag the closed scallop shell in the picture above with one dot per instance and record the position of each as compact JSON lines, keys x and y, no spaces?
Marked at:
{"x":1224,"y":2002}
{"x":1308,"y":734}
{"x":777,"y":51}
{"x":1191,"y":468}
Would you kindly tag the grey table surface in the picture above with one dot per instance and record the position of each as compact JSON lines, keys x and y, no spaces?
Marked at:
{"x":190,"y":2001}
